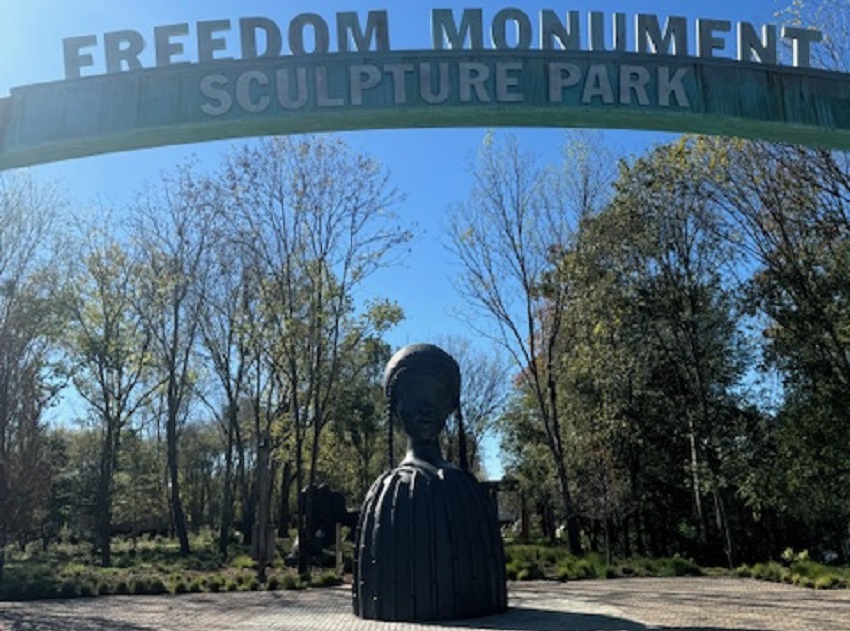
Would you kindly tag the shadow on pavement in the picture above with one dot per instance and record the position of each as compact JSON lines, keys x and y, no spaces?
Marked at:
{"x":529,"y":619}
{"x":16,"y":621}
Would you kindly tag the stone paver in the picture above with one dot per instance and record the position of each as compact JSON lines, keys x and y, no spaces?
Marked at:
{"x":693,"y":604}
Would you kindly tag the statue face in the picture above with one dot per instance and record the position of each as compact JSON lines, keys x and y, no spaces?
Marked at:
{"x":424,"y":402}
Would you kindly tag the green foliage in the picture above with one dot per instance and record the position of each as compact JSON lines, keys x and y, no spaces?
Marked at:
{"x":326,"y":579}
{"x":290,"y":581}
{"x":799,"y":570}
{"x":531,"y":562}
{"x":244,"y":561}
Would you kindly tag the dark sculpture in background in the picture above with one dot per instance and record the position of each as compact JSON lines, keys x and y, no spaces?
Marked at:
{"x":428,"y":543}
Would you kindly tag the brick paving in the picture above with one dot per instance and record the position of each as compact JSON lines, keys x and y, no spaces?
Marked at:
{"x":692,"y":604}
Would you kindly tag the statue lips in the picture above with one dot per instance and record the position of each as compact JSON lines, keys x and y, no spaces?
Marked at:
{"x":426,"y":425}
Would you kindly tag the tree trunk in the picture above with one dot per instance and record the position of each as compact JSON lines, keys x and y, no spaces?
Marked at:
{"x":554,"y":435}
{"x":723,"y":528}
{"x":301,"y":522}
{"x":3,"y":539}
{"x":695,"y":480}
{"x":569,"y":508}
{"x":174,"y":478}
{"x":103,"y":519}
{"x":283,"y":515}
{"x":227,"y":501}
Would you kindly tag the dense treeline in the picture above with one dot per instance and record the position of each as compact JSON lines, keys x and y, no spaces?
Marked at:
{"x":213,"y":354}
{"x":644,"y":337}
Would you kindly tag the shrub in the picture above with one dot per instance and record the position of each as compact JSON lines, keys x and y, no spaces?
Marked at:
{"x":289,"y":581}
{"x":156,"y":586}
{"x":771,"y":571}
{"x":272,"y":584}
{"x":684,"y":567}
{"x":232,"y":586}
{"x":326,"y":579}
{"x":68,"y":589}
{"x":244,"y":562}
{"x":827,"y":581}
{"x":141,"y":586}
{"x":215,"y":583}
{"x":743,"y":571}
{"x":37,"y":589}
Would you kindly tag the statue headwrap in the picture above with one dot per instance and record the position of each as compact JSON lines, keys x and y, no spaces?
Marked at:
{"x":417,"y":359}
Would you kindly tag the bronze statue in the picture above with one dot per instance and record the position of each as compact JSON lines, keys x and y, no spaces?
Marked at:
{"x":428,"y":543}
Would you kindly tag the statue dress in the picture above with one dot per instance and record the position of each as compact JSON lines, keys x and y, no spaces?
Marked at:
{"x":429,"y":546}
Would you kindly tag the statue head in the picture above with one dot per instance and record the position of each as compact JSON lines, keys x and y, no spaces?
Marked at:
{"x":422,"y":384}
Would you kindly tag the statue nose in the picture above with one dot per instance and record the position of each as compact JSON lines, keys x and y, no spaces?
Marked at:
{"x":426,"y":406}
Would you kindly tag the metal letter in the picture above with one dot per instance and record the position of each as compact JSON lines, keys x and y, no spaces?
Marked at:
{"x":801,"y":41}
{"x":398,"y":71}
{"x":284,"y":88}
{"x":650,"y":39}
{"x":707,"y":41}
{"x":376,"y":28}
{"x":248,"y":28}
{"x":166,"y":49}
{"x":753,"y":48}
{"x":243,"y":91}
{"x":472,"y":76}
{"x":551,"y":28}
{"x":506,"y":82}
{"x":123,"y":46}
{"x":74,"y":59}
{"x":321,"y":37}
{"x":445,"y":31}
{"x":674,"y":85}
{"x":211,"y":87}
{"x":498,"y":31}
{"x":596,"y":31}
{"x":323,"y":97}
{"x":558,"y":80}
{"x":634,"y":79}
{"x":597,"y":84}
{"x":426,"y":88}
{"x":207,"y":44}
{"x":362,"y":78}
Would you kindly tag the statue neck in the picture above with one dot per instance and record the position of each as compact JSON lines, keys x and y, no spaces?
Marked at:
{"x":427,"y":450}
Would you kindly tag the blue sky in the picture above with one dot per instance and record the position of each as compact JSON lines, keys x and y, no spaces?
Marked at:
{"x":429,"y":166}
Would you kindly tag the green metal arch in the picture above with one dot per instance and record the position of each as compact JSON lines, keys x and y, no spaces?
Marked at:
{"x":186,"y":103}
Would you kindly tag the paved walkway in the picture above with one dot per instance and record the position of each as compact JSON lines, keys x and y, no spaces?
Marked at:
{"x":693,"y":604}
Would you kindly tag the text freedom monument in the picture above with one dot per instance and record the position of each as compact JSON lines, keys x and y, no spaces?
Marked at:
{"x":256,"y":76}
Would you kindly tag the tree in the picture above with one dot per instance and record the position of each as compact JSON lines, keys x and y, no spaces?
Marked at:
{"x":170,"y":230}
{"x":231,"y":337}
{"x":359,"y":418}
{"x":507,"y":237}
{"x":485,"y":389}
{"x":109,"y":348}
{"x":315,"y":221}
{"x":687,"y":305}
{"x":788,"y":208}
{"x":30,"y":320}
{"x":829,"y":16}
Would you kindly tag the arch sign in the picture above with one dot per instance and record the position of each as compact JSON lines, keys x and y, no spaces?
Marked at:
{"x":553,"y":69}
